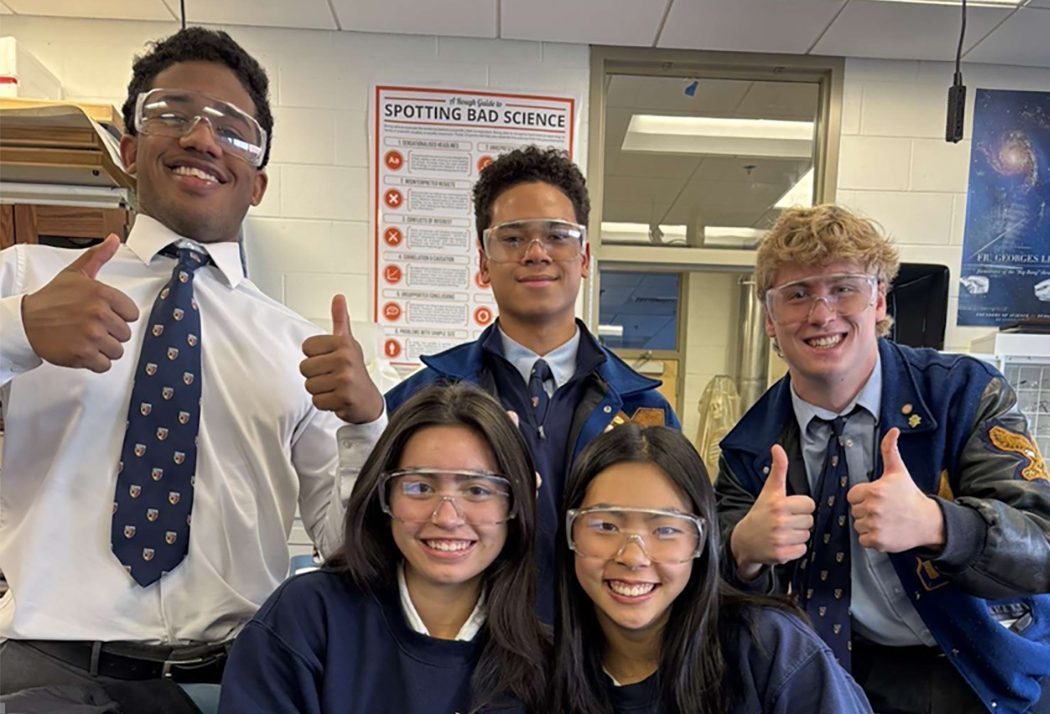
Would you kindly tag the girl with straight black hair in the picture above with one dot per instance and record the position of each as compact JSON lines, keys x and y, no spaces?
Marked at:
{"x":429,"y":605}
{"x":645,"y":622}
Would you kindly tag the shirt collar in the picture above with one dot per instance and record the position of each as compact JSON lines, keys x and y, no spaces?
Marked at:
{"x":149,"y":236}
{"x":466,"y":633}
{"x":561,"y":360}
{"x":869,"y":399}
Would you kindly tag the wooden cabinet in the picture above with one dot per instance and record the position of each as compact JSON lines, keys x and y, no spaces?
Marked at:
{"x":60,"y":225}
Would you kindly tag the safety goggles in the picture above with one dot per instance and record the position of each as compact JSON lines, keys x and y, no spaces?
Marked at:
{"x":511,"y":241}
{"x":664,"y":536}
{"x":844,"y":294}
{"x":416,"y":495}
{"x":176,"y":112}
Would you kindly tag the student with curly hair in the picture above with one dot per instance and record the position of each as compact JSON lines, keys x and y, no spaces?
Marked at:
{"x":646,"y":625}
{"x":428,"y":608}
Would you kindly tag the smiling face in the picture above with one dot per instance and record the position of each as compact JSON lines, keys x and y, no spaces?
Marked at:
{"x":189,"y":184}
{"x":446,"y":550}
{"x":535,"y":289}
{"x":828,"y":353}
{"x":630,"y":592}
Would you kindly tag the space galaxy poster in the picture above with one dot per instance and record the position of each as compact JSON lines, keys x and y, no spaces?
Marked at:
{"x":1006,"y":246}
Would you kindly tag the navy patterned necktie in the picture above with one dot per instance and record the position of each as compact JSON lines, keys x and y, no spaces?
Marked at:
{"x":822,"y":580}
{"x":154,"y":495}
{"x":541,"y":372}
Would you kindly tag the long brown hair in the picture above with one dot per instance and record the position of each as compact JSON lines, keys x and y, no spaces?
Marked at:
{"x":513,"y":661}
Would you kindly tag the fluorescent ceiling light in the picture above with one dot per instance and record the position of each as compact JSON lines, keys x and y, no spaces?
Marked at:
{"x":614,"y":232}
{"x":732,"y":237}
{"x":719,"y":136}
{"x":801,"y":194}
{"x":989,"y":3}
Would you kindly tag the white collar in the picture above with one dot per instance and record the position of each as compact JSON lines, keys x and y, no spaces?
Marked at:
{"x":466,"y":633}
{"x":149,"y":236}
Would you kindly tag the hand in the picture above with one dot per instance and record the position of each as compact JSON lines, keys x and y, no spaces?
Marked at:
{"x":335,"y":372}
{"x":892,"y":514}
{"x":776,"y":529}
{"x":76,"y":321}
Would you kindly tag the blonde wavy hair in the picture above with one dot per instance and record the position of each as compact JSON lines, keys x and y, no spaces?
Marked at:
{"x":825,"y":234}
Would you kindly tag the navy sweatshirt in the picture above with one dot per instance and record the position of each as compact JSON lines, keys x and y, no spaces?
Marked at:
{"x":788,"y":670}
{"x":319,"y":644}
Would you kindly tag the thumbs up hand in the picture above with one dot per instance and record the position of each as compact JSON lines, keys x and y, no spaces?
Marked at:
{"x":77,"y":321}
{"x":776,"y":529}
{"x":892,"y":514}
{"x":335,"y":372}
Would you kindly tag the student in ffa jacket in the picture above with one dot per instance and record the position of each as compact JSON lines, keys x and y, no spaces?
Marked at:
{"x":645,"y":622}
{"x":896,"y":491}
{"x":531,"y":211}
{"x":429,"y":607}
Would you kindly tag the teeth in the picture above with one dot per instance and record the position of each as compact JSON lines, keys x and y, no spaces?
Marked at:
{"x":631,"y":590}
{"x":190,"y":171}
{"x":449,"y":546}
{"x":825,"y":341}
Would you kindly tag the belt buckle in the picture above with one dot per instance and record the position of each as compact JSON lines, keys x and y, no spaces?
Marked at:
{"x":166,"y":667}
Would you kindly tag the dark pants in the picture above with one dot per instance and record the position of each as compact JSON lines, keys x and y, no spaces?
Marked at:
{"x":23,"y":668}
{"x":918,"y":680}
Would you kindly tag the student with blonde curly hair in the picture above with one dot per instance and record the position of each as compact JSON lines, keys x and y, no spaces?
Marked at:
{"x":895,"y":492}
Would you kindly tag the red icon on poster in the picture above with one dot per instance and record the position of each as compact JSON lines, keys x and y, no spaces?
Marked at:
{"x":393,"y":236}
{"x":480,"y":280}
{"x":393,"y":198}
{"x":483,"y":316}
{"x":394,"y":160}
{"x":483,"y":162}
{"x":392,"y":311}
{"x":392,"y":274}
{"x":392,"y":349}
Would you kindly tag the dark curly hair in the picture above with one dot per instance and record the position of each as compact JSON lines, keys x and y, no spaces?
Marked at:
{"x":525,"y":166}
{"x":196,"y":44}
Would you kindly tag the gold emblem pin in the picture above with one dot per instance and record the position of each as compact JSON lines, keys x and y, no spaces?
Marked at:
{"x":914,"y":420}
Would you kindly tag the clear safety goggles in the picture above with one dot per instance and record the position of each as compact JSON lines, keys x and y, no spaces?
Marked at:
{"x":844,"y":294}
{"x":417,"y":495}
{"x":511,"y":241}
{"x":664,"y":536}
{"x":176,"y":112}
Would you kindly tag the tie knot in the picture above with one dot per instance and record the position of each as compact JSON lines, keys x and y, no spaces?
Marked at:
{"x":541,"y":370}
{"x":192,"y":259}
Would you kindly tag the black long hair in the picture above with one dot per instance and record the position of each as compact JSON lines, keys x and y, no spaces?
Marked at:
{"x":692,"y":674}
{"x":514,"y":658}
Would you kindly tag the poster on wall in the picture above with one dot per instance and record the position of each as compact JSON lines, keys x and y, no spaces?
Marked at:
{"x":428,"y":147}
{"x":1005,"y":275}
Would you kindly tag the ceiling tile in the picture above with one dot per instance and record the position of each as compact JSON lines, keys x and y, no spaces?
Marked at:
{"x":303,"y":14}
{"x":747,"y":25}
{"x":97,"y":9}
{"x":897,"y":30}
{"x":1038,"y":3}
{"x":452,"y":18}
{"x":4,"y":9}
{"x":1021,"y":40}
{"x":597,"y":22}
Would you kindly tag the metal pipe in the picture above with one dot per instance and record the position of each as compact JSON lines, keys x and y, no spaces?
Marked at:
{"x":753,"y":365}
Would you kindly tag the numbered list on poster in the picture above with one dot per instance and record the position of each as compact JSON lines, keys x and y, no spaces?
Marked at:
{"x":429,"y":147}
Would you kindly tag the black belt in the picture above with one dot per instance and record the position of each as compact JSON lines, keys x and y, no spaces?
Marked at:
{"x":132,"y":661}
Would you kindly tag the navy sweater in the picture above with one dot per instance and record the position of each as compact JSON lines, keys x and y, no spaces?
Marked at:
{"x":320,"y":645}
{"x":788,"y":670}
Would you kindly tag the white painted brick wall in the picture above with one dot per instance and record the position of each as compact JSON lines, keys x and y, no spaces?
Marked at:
{"x":309,"y":238}
{"x":895,"y":166}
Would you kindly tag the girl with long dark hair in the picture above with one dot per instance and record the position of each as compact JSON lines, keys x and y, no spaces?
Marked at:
{"x":429,"y":606}
{"x":645,"y":622}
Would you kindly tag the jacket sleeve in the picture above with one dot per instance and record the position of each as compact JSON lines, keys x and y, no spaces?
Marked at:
{"x":733,"y":502}
{"x":997,"y":505}
{"x":818,"y":685}
{"x":265,"y":674}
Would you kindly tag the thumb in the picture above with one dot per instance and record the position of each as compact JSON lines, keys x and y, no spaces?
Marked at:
{"x":891,"y":455}
{"x":340,"y":316}
{"x":92,"y":260}
{"x":776,"y":482}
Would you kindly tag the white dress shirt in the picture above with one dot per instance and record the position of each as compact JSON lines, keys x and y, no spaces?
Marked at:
{"x":467,"y":632}
{"x":263,"y":447}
